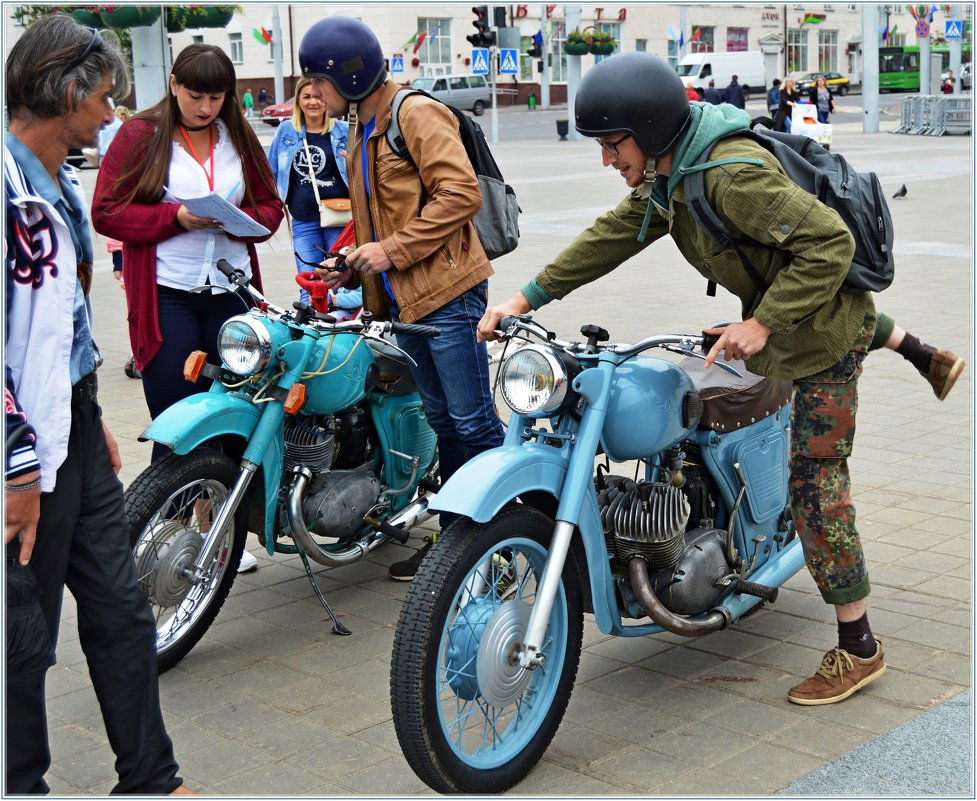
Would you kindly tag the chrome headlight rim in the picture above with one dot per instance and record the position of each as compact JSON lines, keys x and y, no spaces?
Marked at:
{"x":556,"y":378}
{"x":233,"y":343}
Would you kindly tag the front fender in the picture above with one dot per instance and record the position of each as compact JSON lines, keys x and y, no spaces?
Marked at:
{"x":487,"y":482}
{"x":190,"y":422}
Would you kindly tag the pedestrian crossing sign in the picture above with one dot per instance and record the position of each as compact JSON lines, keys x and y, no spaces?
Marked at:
{"x":508,"y":61}
{"x":397,"y":63}
{"x":480,"y":60}
{"x":954,"y":29}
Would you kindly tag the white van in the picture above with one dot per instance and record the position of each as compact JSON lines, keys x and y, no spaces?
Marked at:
{"x":700,"y":68}
{"x":467,"y":92}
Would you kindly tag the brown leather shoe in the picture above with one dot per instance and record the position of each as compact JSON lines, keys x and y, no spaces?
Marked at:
{"x":840,"y":675}
{"x":944,"y":371}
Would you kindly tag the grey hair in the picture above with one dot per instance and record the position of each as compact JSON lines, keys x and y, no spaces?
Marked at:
{"x":40,"y":67}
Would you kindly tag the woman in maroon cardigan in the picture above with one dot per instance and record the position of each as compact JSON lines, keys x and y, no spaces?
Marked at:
{"x":193,"y":142}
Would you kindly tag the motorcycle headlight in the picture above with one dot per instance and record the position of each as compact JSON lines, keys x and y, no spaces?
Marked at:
{"x":534,"y":381}
{"x":244,"y":345}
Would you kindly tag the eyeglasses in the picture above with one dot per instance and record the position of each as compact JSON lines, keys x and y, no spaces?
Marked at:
{"x":95,"y":43}
{"x":611,"y":147}
{"x":341,"y":265}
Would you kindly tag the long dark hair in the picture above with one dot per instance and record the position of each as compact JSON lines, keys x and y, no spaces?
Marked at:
{"x":199,"y":68}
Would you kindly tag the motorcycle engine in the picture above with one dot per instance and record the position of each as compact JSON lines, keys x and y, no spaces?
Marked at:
{"x":686,"y":557}
{"x":337,"y":500}
{"x":310,"y":442}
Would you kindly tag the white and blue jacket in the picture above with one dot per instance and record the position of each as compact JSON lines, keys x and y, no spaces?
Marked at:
{"x":41,"y":260}
{"x":288,"y":142}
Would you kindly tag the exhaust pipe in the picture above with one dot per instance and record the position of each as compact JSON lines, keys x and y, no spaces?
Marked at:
{"x":641,"y":584}
{"x":406,"y":518}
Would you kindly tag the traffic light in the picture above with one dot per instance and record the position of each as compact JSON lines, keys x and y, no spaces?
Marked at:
{"x":536,"y":50}
{"x":484,"y":37}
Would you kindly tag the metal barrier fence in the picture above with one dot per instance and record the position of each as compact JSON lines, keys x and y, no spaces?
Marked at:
{"x":936,"y":115}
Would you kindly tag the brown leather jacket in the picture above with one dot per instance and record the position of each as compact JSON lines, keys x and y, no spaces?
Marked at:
{"x":425,"y":228}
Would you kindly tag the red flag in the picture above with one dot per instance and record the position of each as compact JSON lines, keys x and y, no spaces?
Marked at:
{"x":420,"y":41}
{"x":266,"y":35}
{"x":695,"y":35}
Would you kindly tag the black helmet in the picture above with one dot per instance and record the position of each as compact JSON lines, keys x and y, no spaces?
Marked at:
{"x":635,"y":93}
{"x":346,"y":53}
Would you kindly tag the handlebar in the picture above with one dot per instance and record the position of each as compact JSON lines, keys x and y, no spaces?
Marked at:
{"x":413,"y":329}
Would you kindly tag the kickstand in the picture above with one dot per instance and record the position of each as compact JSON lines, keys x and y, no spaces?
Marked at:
{"x":337,"y":627}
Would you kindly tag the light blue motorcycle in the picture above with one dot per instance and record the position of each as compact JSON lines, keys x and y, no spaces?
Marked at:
{"x":312,"y":435}
{"x":489,"y":637}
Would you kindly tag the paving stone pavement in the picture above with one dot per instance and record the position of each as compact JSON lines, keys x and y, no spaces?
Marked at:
{"x":270,"y":702}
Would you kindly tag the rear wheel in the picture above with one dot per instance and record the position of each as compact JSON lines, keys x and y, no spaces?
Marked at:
{"x":479,"y":108}
{"x":169,"y":509}
{"x":469,"y":719}
{"x":842,"y":90}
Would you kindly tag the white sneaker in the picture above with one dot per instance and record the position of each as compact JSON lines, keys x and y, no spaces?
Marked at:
{"x":249,"y":562}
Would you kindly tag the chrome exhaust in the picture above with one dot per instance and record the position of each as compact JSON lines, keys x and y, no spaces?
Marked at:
{"x":408,"y":517}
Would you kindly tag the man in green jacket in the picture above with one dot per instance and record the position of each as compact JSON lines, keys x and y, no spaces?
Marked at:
{"x":802,"y":328}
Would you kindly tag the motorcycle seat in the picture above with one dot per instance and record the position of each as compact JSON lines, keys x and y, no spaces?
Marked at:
{"x":732,"y":402}
{"x":393,"y":373}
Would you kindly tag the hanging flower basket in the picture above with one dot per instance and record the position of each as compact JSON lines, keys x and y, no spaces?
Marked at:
{"x":129,"y":16}
{"x":576,"y":48}
{"x":87,"y":17}
{"x":210,"y":16}
{"x":176,"y":19}
{"x":601,"y":48}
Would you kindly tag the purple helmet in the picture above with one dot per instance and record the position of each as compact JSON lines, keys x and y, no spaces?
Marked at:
{"x":346,"y":53}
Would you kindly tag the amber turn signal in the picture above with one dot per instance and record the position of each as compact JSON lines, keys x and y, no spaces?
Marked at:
{"x":193,"y":365}
{"x":295,"y":399}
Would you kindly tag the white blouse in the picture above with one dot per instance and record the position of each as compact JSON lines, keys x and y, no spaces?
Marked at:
{"x":188,"y":260}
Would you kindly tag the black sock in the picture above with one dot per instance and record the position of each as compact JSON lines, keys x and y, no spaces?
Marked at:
{"x":856,"y":638}
{"x":917,"y":353}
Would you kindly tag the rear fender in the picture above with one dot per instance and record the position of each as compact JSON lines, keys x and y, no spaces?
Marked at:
{"x":191,"y":422}
{"x":487,"y":482}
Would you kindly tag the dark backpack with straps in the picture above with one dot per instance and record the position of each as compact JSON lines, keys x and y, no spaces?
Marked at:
{"x":497,"y":221}
{"x":857,"y":197}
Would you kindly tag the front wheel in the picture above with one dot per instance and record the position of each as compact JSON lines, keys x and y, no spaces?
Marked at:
{"x":469,"y":719}
{"x":479,"y":108}
{"x":169,"y":509}
{"x":842,"y":90}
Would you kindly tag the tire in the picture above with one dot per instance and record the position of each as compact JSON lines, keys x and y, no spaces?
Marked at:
{"x":438,"y":637}
{"x":479,"y":108}
{"x":163,"y":510}
{"x":842,"y":90}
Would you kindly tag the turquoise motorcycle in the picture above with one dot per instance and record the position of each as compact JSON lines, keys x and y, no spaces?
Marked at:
{"x":649,"y":493}
{"x":311,"y":434}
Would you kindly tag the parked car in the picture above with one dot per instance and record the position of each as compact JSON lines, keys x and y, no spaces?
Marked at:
{"x":76,"y":158}
{"x":965,"y":76}
{"x":274,"y":114}
{"x":467,"y":92}
{"x":837,"y":83}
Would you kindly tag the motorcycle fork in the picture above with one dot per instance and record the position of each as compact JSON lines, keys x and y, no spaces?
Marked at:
{"x":594,"y":387}
{"x":269,"y":426}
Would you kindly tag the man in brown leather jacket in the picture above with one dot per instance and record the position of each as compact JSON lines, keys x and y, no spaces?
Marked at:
{"x":418,"y":256}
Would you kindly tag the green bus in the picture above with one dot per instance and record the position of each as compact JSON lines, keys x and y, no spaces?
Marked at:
{"x":899,"y":69}
{"x":899,"y":66}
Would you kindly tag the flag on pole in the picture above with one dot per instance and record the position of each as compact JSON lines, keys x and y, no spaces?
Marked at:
{"x":681,"y":39}
{"x":813,"y":19}
{"x":409,"y":42}
{"x":695,"y":35}
{"x":420,"y":41}
{"x":885,"y":34}
{"x":892,"y":33}
{"x":261,"y":35}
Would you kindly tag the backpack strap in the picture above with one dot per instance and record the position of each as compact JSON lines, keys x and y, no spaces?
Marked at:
{"x":394,"y":137}
{"x":693,"y":181}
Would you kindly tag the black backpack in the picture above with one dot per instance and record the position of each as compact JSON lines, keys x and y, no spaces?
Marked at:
{"x":857,"y":197}
{"x":497,"y":221}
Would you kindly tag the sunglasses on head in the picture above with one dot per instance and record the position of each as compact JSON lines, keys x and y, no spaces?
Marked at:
{"x":96,"y":43}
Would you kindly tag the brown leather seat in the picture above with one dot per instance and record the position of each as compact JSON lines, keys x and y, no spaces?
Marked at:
{"x":731,"y":402}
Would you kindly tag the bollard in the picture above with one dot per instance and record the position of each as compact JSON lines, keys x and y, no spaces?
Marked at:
{"x":563,"y":128}
{"x":532,"y":102}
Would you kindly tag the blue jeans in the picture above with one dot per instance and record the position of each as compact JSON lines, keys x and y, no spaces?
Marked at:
{"x":307,"y":239}
{"x":822,"y":116}
{"x":452,"y":377}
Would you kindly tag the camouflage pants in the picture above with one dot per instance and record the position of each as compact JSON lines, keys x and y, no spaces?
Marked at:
{"x":823,"y":420}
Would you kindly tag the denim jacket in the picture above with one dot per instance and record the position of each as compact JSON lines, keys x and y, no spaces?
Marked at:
{"x":288,"y":142}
